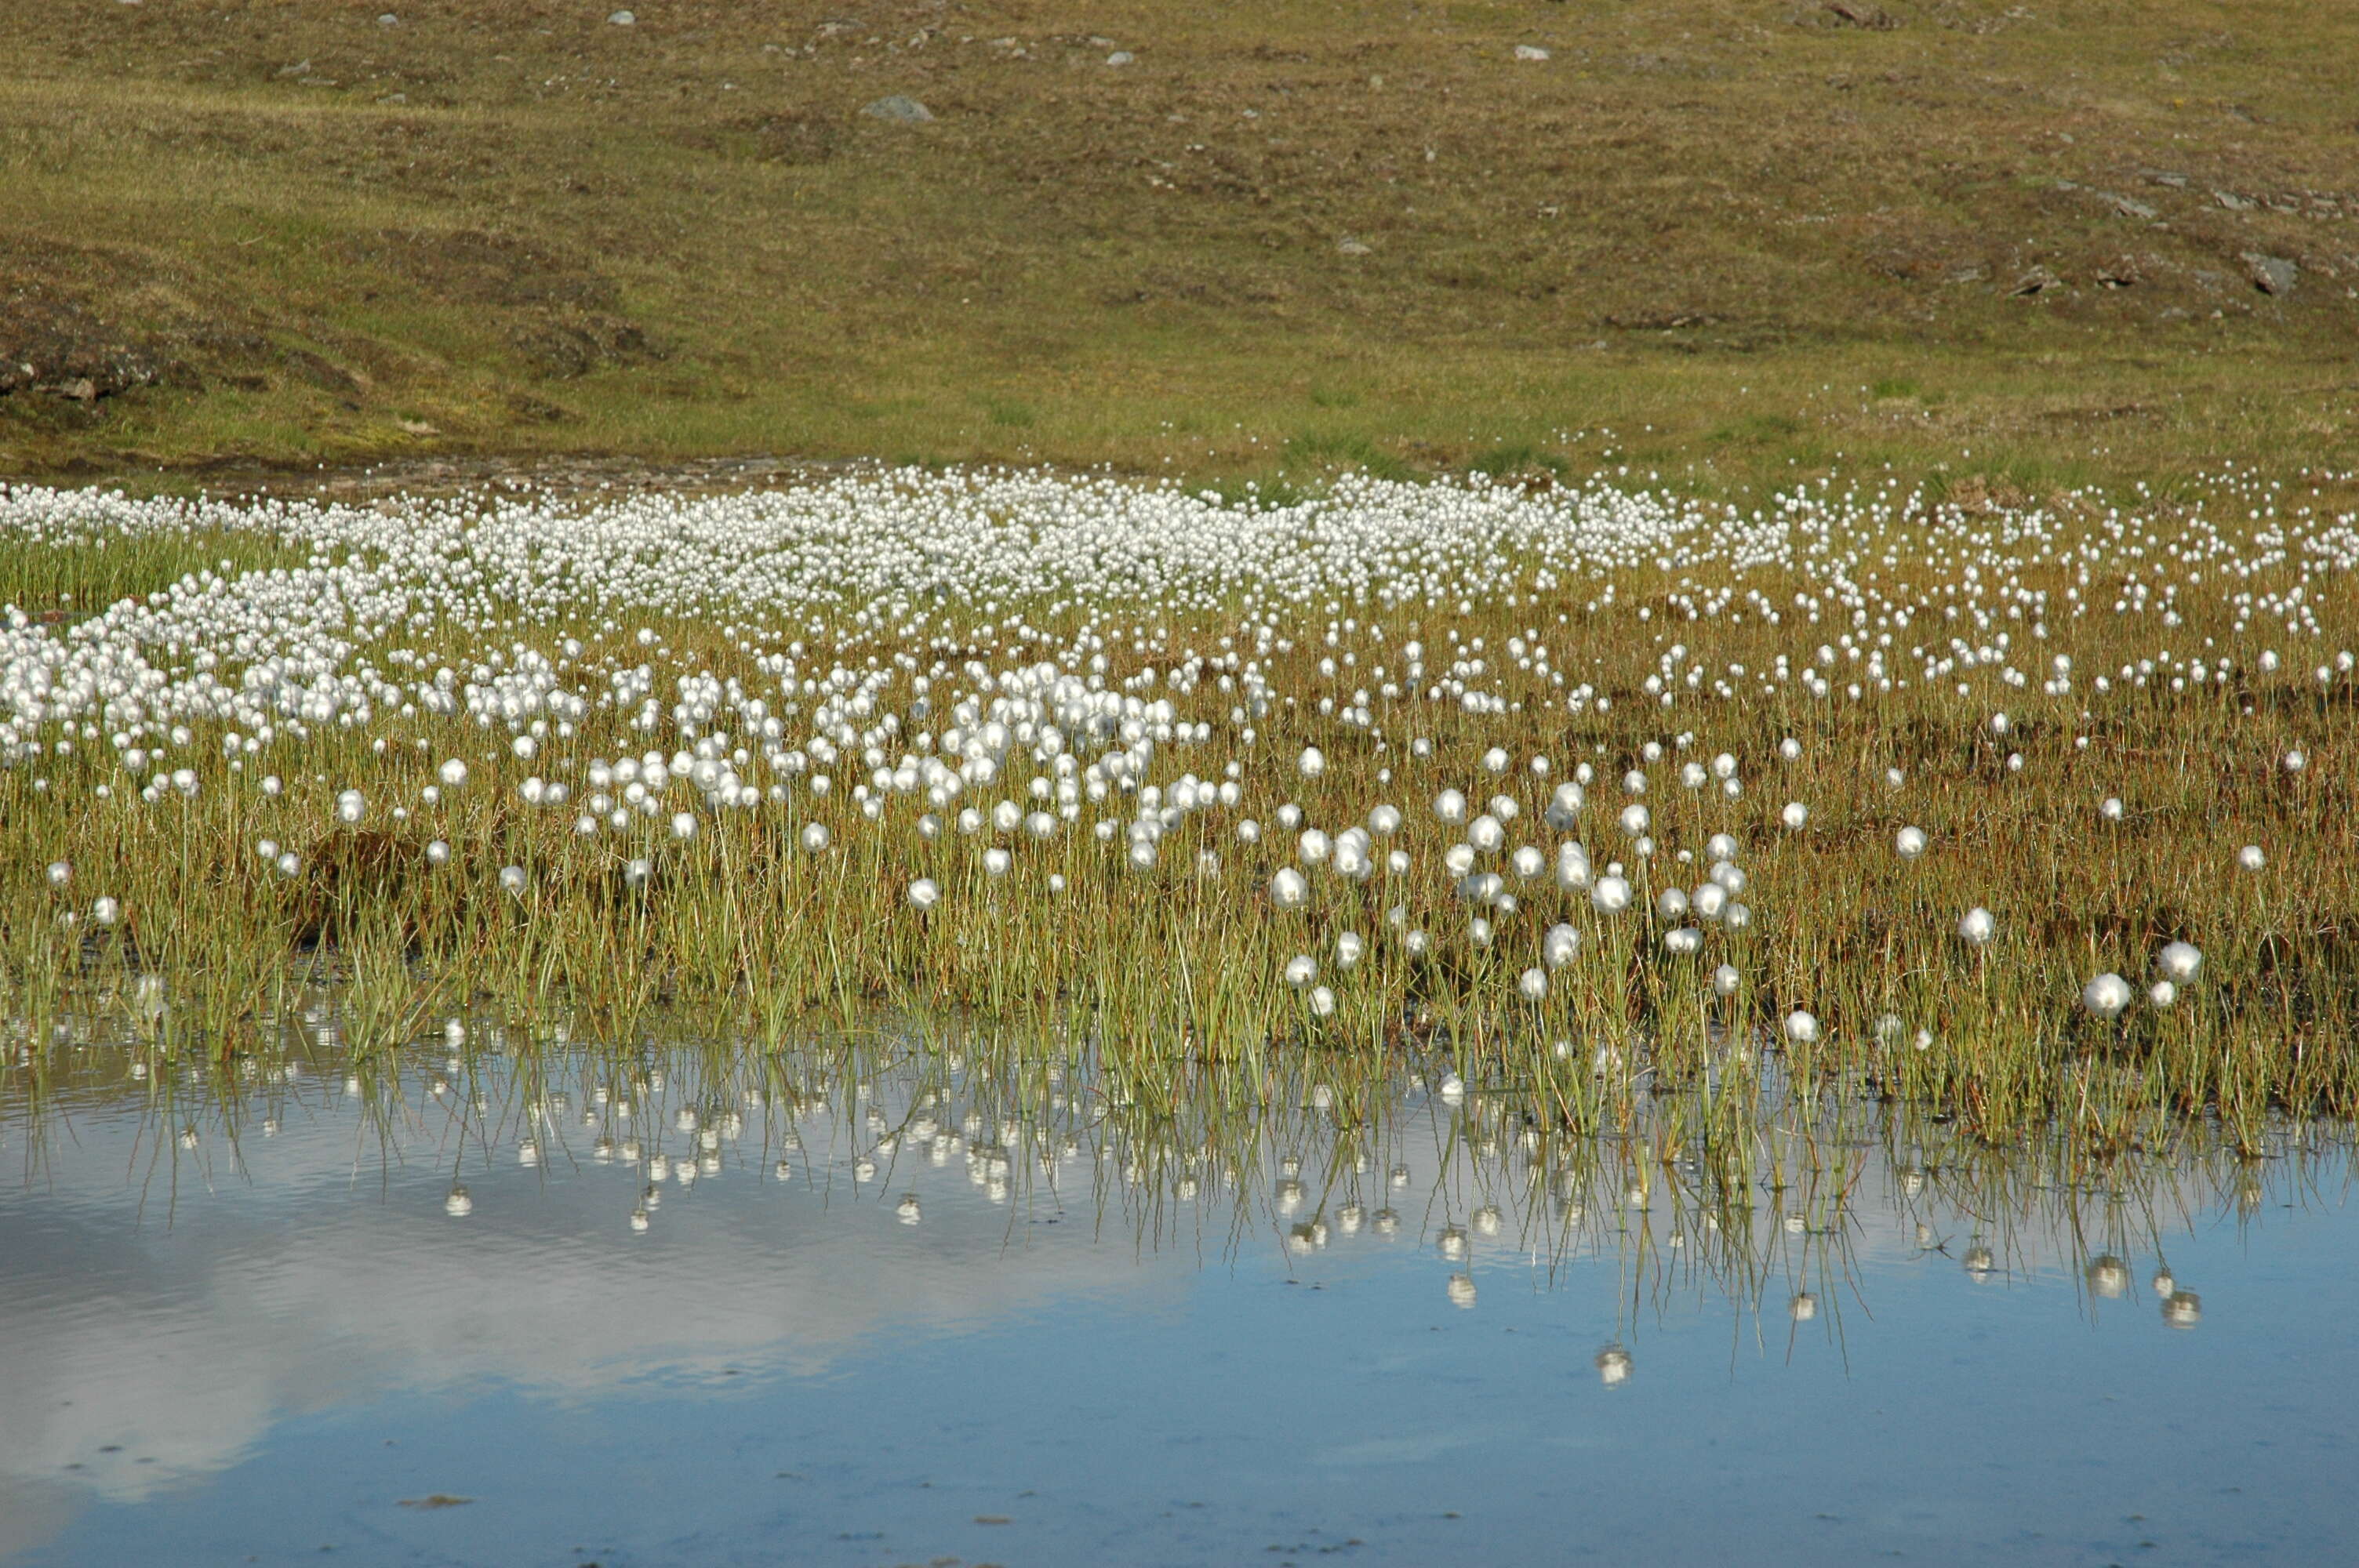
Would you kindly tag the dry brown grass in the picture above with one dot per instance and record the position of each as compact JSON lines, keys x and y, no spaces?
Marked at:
{"x":1743,"y":237}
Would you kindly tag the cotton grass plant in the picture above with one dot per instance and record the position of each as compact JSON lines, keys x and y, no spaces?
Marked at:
{"x":1600,"y":788}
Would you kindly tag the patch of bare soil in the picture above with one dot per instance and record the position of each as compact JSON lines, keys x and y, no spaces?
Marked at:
{"x":53,"y":345}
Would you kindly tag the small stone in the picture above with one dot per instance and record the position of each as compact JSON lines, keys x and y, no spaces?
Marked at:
{"x":1530,"y":51}
{"x":900,"y":108}
{"x":1351,"y":245}
{"x":2039,"y":280}
{"x":1120,"y":56}
{"x":2232,"y":201}
{"x":2270,"y":274}
{"x":621,"y":19}
{"x":387,"y":19}
{"x":1852,"y":13}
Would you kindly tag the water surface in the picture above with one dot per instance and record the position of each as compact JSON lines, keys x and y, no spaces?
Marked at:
{"x":891,"y":1303}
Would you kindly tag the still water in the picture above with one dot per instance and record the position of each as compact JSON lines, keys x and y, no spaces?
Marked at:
{"x":880,"y":1302}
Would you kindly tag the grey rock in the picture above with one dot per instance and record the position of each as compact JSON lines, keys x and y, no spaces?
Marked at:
{"x":2232,"y":201}
{"x":623,"y":19}
{"x":1352,"y":245}
{"x":2039,"y":280}
{"x":900,"y":108}
{"x":1855,"y":14}
{"x":1120,"y":56}
{"x":2270,"y":274}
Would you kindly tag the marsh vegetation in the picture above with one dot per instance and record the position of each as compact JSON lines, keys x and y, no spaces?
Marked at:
{"x":1587,"y":794}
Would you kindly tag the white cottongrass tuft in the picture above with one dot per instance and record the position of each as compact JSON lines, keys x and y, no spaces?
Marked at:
{"x":2107,"y":996}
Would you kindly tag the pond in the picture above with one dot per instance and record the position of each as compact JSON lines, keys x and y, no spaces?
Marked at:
{"x":905,"y":1296}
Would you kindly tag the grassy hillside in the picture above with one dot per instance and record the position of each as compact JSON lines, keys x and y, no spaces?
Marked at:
{"x":1728,"y":239}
